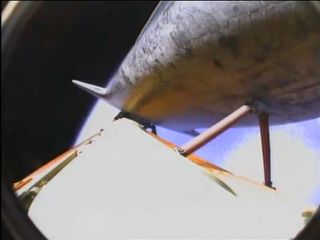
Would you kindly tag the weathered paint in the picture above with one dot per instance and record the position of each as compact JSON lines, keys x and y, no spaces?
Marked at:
{"x":197,"y":61}
{"x":40,"y":172}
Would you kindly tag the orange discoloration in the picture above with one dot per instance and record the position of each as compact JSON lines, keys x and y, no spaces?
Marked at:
{"x":209,"y":166}
{"x":50,"y":164}
{"x":194,"y":158}
{"x":18,"y":185}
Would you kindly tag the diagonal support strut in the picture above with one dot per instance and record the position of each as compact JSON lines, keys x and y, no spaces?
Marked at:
{"x":214,"y":131}
{"x":220,"y":127}
{"x":265,"y":142}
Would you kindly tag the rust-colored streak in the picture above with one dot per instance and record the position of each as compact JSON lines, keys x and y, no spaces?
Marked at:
{"x":214,"y":131}
{"x":18,"y":185}
{"x":194,"y":158}
{"x":55,"y":161}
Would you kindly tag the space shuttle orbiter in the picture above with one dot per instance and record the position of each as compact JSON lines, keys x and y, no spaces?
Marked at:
{"x":195,"y":64}
{"x":191,"y":73}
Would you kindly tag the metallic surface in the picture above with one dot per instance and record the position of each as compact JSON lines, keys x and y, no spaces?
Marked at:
{"x":145,"y":190}
{"x":30,"y":181}
{"x":194,"y":158}
{"x":214,"y":131}
{"x":265,"y":141}
{"x":197,"y":61}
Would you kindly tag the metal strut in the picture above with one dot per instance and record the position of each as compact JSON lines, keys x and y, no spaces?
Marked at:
{"x":220,"y":127}
{"x":265,"y":142}
{"x":214,"y":131}
{"x":145,"y":123}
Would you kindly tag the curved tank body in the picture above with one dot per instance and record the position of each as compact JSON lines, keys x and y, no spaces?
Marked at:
{"x":195,"y":62}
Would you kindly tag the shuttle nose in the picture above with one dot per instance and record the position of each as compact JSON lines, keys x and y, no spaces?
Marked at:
{"x":92,"y":89}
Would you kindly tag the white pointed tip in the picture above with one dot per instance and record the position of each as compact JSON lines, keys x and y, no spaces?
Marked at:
{"x":92,"y":89}
{"x":76,"y":82}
